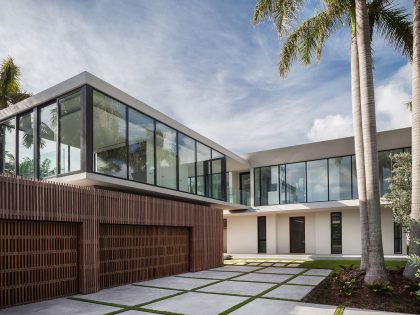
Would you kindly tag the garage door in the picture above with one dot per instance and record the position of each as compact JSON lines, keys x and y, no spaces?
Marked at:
{"x":38,"y":260}
{"x":132,"y":253}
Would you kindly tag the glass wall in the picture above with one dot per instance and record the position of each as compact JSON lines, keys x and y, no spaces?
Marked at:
{"x":48,"y":133}
{"x":295,"y":183}
{"x":270,"y":185}
{"x":385,"y":168}
{"x":26,"y":145}
{"x":186,"y":155}
{"x":8,"y":147}
{"x":109,"y":136}
{"x":141,"y":143}
{"x":339,"y":175}
{"x":165,"y":156}
{"x":317,"y":180}
{"x":203,"y":169}
{"x":125,"y":143}
{"x":216,"y":175}
{"x":70,"y":125}
{"x":320,"y":180}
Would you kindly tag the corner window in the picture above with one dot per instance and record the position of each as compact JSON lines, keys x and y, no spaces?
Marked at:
{"x":8,"y":147}
{"x":69,"y":133}
{"x":26,"y":145}
{"x":186,"y":153}
{"x":48,"y":141}
{"x":109,"y":136}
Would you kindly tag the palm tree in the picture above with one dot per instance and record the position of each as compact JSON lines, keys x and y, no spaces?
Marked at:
{"x":410,"y":270}
{"x":307,"y":39}
{"x":10,"y":91}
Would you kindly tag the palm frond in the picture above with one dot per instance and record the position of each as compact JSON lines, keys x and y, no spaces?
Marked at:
{"x":281,"y":12}
{"x":393,"y":23}
{"x":309,"y":37}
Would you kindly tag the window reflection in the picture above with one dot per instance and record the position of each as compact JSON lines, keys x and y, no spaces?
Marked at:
{"x":317,"y":180}
{"x":7,"y":147}
{"x":48,"y":141}
{"x":340,"y":178}
{"x":69,"y":110}
{"x":26,"y":145}
{"x":141,"y":147}
{"x":165,"y":156}
{"x":295,"y":182}
{"x":186,"y":152}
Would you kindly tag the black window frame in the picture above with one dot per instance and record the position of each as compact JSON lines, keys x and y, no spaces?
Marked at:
{"x":341,"y":233}
{"x":262,"y":234}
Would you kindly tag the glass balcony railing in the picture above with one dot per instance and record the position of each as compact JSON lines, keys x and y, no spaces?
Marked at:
{"x":235,"y":195}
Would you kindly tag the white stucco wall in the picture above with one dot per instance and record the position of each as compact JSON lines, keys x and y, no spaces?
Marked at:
{"x":242,"y":233}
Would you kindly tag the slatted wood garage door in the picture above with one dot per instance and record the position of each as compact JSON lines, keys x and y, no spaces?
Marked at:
{"x":38,"y":260}
{"x":131,"y":253}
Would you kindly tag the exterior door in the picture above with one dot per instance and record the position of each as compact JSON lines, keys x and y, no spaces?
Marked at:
{"x":297,"y":234}
{"x":262,"y":235}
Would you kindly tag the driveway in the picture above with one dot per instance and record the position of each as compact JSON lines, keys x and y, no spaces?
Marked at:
{"x":268,"y":287}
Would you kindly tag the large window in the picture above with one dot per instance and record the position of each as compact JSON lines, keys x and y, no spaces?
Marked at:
{"x":69,"y":111}
{"x":270,"y":185}
{"x":257,"y":186}
{"x":141,"y":155}
{"x":317,"y":180}
{"x":8,"y":147}
{"x":109,"y":136}
{"x":355,"y":191}
{"x":336,"y":233}
{"x":165,"y":156}
{"x":186,"y":153}
{"x":245,"y":187}
{"x":340,"y":178}
{"x":26,"y":145}
{"x":216,"y":175}
{"x":48,"y":141}
{"x":203,"y":169}
{"x":296,"y":182}
{"x":385,"y":169}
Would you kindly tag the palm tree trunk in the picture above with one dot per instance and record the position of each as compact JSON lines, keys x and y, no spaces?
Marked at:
{"x":376,"y":270}
{"x":410,"y":270}
{"x":359,"y":152}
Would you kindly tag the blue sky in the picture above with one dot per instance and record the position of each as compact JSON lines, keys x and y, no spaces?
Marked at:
{"x":202,"y":63}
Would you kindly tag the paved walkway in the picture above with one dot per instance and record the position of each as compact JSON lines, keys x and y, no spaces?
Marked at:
{"x":259,"y":287}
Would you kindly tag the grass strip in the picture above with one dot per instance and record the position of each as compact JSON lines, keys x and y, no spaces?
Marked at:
{"x":339,"y":310}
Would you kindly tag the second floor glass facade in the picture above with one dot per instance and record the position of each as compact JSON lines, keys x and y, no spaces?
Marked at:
{"x":327,"y":179}
{"x":88,"y":131}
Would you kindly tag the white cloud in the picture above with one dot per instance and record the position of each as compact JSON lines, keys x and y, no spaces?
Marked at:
{"x":391,"y":112}
{"x":330,"y":127}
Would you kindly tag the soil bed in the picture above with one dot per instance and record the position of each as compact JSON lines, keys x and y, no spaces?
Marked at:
{"x":401,"y":300}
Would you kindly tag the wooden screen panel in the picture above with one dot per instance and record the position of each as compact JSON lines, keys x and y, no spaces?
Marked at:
{"x":132,"y":253}
{"x":38,"y":260}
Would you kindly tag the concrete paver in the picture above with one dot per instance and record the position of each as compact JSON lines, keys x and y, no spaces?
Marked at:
{"x":263,"y":277}
{"x":266,"y":306}
{"x":236,"y":287}
{"x":60,"y":306}
{"x":285,"y":270}
{"x":207,"y":274}
{"x":197,"y":303}
{"x":290,"y":292}
{"x":236,"y":268}
{"x":308,"y":280}
{"x":177,"y":283}
{"x":317,"y":272}
{"x":127,"y":295}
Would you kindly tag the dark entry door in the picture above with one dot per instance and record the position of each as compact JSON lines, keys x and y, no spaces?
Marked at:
{"x":297,"y":234}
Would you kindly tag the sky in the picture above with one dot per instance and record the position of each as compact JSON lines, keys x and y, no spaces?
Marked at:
{"x":204,"y":64}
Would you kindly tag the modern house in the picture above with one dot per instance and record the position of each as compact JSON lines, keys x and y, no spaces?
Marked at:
{"x":303,"y":199}
{"x":97,"y":189}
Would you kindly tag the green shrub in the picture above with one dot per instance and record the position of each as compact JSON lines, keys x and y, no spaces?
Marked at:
{"x":381,"y":287}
